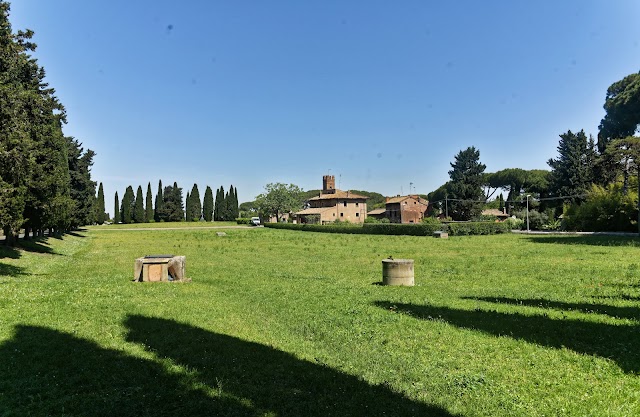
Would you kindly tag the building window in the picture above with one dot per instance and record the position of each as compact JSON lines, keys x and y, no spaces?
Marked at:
{"x":356,"y":204}
{"x":357,"y":214}
{"x":341,"y":214}
{"x":334,"y":214}
{"x":345,"y":203}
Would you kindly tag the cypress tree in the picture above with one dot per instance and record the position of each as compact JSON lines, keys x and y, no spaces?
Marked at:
{"x":219,"y":204}
{"x":207,"y":207}
{"x":159,"y":202}
{"x":148,"y":212}
{"x":236,"y":211}
{"x":196,"y":206}
{"x":116,"y":210}
{"x":177,"y":196}
{"x":127,"y":206}
{"x":101,"y":216}
{"x":138,"y":207}
{"x":188,"y":208}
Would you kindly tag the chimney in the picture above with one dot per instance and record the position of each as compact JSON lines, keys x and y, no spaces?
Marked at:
{"x":328,"y":184}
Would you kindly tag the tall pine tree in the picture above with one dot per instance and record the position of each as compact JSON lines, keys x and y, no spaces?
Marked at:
{"x":159,"y":201}
{"x":219,"y":204}
{"x":101,"y":216}
{"x":196,"y":206}
{"x":465,"y":187}
{"x":126,"y":211}
{"x":188,"y":208}
{"x":148,"y":209}
{"x":572,"y":172}
{"x":138,"y":207}
{"x":116,"y":210}
{"x":207,"y":207}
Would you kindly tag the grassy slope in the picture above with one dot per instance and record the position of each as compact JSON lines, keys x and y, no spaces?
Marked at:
{"x":292,"y":323}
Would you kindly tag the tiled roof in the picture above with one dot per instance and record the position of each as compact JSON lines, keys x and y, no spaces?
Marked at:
{"x":400,"y":199}
{"x":340,"y":195}
{"x":494,"y":212}
{"x":376,"y":211}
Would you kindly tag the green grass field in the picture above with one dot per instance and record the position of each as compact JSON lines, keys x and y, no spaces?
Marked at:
{"x":285,"y":323}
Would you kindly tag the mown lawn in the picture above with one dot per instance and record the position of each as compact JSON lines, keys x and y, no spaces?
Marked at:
{"x":285,"y":323}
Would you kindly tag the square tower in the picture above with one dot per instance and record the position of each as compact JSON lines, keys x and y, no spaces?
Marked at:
{"x":328,"y":184}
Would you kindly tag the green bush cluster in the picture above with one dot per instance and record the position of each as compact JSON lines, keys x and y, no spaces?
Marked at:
{"x":478,"y":228}
{"x":421,"y":229}
{"x":243,"y":220}
{"x":606,"y":209}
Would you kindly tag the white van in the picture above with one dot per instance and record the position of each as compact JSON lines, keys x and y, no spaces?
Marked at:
{"x":255,"y":221}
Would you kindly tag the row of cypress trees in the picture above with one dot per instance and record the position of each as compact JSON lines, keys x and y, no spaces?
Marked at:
{"x":169,"y":205}
{"x":45,"y":179}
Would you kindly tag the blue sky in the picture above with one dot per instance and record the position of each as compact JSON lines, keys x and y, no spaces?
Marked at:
{"x":380,"y":94}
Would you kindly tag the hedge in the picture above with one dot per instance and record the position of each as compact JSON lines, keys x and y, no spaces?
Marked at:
{"x":243,"y":220}
{"x":420,"y":229}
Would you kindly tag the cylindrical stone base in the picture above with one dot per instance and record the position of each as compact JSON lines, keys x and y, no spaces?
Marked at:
{"x":397,"y":272}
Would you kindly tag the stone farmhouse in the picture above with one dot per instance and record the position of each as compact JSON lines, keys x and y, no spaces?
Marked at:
{"x":333,"y":204}
{"x":402,"y":209}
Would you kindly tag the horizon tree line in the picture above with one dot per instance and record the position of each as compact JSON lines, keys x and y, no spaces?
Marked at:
{"x":170,"y":207}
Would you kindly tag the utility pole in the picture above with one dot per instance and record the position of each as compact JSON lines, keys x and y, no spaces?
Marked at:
{"x":446,"y":206}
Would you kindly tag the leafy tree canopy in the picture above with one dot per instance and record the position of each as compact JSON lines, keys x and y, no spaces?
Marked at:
{"x":622,"y":106}
{"x":279,"y":198}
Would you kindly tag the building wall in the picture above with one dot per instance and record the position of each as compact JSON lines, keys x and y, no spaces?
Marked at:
{"x":354,"y":211}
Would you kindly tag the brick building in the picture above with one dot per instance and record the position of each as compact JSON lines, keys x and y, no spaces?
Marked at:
{"x":333,"y":204}
{"x":406,"y":209}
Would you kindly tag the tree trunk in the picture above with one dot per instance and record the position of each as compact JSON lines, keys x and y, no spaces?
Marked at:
{"x":9,"y":237}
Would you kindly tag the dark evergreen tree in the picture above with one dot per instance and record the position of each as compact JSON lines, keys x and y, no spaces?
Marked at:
{"x":35,"y":161}
{"x":219,"y":204}
{"x":501,"y":204}
{"x":572,"y":172}
{"x":101,"y":216}
{"x":138,"y":207}
{"x":187,"y":209}
{"x":83,"y":189}
{"x":622,"y":106}
{"x":126,"y":211}
{"x":116,"y":210}
{"x":226,"y":207}
{"x":159,"y":201}
{"x":148,"y":209}
{"x":195,"y":206}
{"x":207,"y":207}
{"x":172,"y":207}
{"x":233,"y":203}
{"x":465,"y":187}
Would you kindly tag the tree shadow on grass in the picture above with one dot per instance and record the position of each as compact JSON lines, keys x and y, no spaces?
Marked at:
{"x":36,"y":245}
{"x":589,"y":308}
{"x":8,"y":252}
{"x":616,"y":342}
{"x":617,"y":297}
{"x":7,"y":270}
{"x":48,"y":372}
{"x":271,"y":380}
{"x":591,"y":240}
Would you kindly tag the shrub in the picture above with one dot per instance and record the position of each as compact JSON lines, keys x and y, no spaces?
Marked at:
{"x":243,"y":220}
{"x":605,"y":209}
{"x":478,"y":228}
{"x":537,"y":220}
{"x":421,"y":229}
